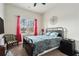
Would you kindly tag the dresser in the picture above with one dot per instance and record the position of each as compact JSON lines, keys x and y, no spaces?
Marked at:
{"x":2,"y":51}
{"x":67,"y":47}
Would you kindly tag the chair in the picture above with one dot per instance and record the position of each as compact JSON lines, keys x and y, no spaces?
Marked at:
{"x":10,"y":40}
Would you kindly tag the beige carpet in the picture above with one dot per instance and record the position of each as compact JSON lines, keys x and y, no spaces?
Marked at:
{"x":20,"y":51}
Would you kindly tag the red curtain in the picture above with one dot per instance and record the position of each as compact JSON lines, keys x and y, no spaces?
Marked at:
{"x":18,"y":31}
{"x":35,"y":27}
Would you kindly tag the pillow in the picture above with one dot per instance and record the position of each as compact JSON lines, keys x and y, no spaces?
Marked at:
{"x":54,"y":34}
{"x":1,"y":36}
{"x":59,"y":35}
{"x":48,"y":33}
{"x":2,"y":41}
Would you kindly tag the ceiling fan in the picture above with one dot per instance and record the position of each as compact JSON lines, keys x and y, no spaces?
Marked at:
{"x":41,"y":3}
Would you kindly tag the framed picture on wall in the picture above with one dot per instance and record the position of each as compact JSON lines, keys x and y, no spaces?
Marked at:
{"x":53,"y":20}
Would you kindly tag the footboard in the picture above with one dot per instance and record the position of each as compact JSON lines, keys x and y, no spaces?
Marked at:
{"x":28,"y":47}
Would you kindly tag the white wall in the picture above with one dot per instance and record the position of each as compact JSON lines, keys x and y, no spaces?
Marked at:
{"x":2,"y":10}
{"x":11,"y":13}
{"x":68,"y":17}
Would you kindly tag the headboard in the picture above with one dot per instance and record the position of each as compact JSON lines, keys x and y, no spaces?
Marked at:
{"x":60,"y":30}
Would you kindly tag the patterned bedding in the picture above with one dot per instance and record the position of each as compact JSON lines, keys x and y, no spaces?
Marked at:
{"x":43,"y":42}
{"x":40,"y":38}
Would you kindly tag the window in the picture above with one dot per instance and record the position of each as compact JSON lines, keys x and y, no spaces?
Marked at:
{"x":27,"y":25}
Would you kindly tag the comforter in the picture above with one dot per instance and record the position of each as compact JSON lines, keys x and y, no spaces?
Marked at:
{"x":43,"y":42}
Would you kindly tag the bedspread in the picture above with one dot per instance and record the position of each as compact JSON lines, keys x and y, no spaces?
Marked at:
{"x":42,"y":43}
{"x":45,"y":45}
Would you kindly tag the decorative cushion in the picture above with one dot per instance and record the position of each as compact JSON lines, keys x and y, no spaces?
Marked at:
{"x":59,"y":35}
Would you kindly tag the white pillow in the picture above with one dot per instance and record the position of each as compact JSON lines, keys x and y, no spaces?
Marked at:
{"x":48,"y":33}
{"x":1,"y":36}
{"x":2,"y":41}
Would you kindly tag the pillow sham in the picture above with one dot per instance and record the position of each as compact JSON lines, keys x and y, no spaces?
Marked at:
{"x":59,"y":35}
{"x":54,"y":34}
{"x":48,"y":33}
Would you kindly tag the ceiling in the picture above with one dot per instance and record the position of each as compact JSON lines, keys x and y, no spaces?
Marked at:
{"x":39,"y":7}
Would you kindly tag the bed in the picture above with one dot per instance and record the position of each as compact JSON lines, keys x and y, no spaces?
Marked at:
{"x":35,"y":45}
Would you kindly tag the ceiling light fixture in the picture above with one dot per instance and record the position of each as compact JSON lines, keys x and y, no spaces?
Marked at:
{"x":41,"y":3}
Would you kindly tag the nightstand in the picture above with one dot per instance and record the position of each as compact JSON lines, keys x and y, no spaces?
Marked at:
{"x":76,"y":53}
{"x":67,"y":47}
{"x":2,"y":51}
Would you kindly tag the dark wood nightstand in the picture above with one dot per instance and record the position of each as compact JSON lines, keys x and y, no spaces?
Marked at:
{"x":2,"y":51}
{"x":77,"y":54}
{"x":67,"y":47}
